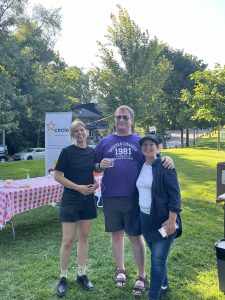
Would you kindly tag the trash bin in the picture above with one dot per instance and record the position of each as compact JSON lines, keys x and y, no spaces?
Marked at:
{"x":220,"y":254}
{"x":220,"y":182}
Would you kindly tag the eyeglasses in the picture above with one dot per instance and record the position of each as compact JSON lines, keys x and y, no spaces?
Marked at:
{"x":124,"y":117}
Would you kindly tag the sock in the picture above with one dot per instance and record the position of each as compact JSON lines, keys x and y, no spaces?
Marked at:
{"x":63,"y":273}
{"x":81,"y":270}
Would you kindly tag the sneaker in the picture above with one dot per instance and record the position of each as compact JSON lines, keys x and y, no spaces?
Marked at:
{"x":85,"y":283}
{"x":164,"y":290}
{"x":61,"y":287}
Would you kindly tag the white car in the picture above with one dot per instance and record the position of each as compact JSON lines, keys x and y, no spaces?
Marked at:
{"x":30,"y":153}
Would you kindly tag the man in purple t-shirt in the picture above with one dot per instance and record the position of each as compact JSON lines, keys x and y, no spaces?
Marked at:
{"x":119,"y":156}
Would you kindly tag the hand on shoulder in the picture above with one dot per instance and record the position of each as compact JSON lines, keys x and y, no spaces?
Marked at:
{"x":168,"y":162}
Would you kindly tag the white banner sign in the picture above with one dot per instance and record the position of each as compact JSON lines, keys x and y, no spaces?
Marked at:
{"x":57,"y":136}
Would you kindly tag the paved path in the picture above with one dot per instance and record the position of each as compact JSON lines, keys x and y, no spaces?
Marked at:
{"x":175,"y":140}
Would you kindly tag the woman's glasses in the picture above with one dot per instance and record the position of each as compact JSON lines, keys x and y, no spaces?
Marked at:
{"x":122,"y":117}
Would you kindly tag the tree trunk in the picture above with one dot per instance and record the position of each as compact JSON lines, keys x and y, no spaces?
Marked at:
{"x":194,"y":136}
{"x":218,"y":141}
{"x":38,"y":136}
{"x":3,"y":137}
{"x":182,"y":137}
{"x":163,"y":146}
{"x":187,"y":137}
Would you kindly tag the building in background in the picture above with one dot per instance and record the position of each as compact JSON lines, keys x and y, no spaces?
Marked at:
{"x":93,"y":119}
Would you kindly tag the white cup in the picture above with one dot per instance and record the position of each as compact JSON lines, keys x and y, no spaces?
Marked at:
{"x":111,"y":162}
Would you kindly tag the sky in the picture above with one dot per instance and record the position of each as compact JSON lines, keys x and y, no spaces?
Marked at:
{"x":195,"y":26}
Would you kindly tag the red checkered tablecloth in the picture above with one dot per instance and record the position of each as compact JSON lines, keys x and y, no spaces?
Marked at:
{"x":15,"y":200}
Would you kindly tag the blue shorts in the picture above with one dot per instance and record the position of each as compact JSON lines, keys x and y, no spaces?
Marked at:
{"x":74,"y":206}
{"x":122,"y":213}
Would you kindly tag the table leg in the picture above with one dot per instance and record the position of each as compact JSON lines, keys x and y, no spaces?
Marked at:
{"x":13,"y":230}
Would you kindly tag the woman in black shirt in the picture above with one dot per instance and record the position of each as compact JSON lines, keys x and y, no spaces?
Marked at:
{"x":74,"y":170}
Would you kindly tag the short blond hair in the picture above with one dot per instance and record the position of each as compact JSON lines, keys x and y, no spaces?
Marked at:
{"x":126,"y":108}
{"x":74,"y":124}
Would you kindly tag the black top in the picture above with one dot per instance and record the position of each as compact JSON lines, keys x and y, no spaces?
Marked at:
{"x":77,"y":164}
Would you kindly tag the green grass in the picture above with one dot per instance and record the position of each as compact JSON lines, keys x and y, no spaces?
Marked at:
{"x":29,"y":266}
{"x":209,"y":141}
{"x":20,"y":169}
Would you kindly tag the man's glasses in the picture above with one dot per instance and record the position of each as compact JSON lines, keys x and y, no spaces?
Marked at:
{"x":124,"y":117}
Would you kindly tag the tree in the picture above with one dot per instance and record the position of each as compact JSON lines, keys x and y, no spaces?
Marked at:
{"x":185,"y":115}
{"x":10,"y":12}
{"x":24,"y":43}
{"x":54,"y":89}
{"x":209,"y":96}
{"x":133,"y":72}
{"x":28,"y":49}
{"x":6,"y":97}
{"x":33,"y":78}
{"x":48,"y":23}
{"x":184,"y":65}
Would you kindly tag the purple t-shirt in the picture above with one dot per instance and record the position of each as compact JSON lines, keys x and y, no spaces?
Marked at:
{"x":120,"y":180}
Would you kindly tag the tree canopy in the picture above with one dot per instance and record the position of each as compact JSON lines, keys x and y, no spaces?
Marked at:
{"x":133,"y":70}
{"x":209,"y":96}
{"x":33,"y":78}
{"x":144,"y":73}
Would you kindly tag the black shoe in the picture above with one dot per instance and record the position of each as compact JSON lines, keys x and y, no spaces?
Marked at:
{"x":84,"y":282}
{"x":61,"y":287}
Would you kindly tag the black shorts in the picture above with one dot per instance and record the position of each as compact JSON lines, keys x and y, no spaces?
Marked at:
{"x":75,"y":206}
{"x":122,"y":213}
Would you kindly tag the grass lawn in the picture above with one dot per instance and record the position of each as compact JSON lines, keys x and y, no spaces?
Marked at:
{"x":29,"y":266}
{"x":19,"y":169}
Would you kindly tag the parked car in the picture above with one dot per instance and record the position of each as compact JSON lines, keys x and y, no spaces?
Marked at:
{"x":30,"y":153}
{"x":3,"y":153}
